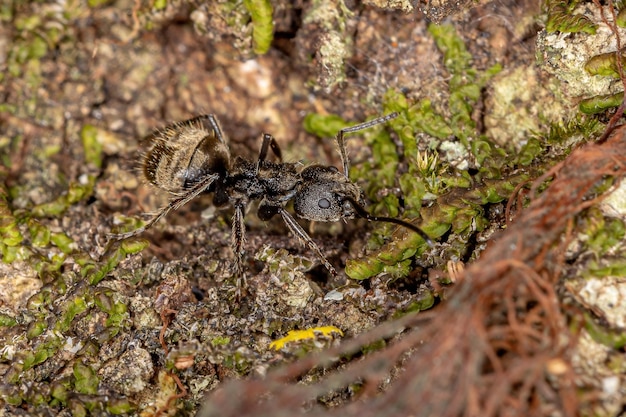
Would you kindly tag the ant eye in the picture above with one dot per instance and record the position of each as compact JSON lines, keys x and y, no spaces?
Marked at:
{"x":323,"y":203}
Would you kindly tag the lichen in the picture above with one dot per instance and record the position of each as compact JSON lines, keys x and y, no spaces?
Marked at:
{"x":334,"y":43}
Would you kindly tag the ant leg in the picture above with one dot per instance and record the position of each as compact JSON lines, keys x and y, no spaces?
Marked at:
{"x":210,"y":122}
{"x":342,"y":144}
{"x":174,"y":204}
{"x":238,"y":238}
{"x":304,"y":238}
{"x":268,"y":142}
{"x":276,"y":149}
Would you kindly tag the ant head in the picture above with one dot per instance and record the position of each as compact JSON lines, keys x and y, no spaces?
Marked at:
{"x":325,"y":195}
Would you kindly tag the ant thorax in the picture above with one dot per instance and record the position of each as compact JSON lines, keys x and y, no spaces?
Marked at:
{"x":273,"y":181}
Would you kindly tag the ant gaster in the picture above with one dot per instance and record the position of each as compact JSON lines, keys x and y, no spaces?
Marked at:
{"x":192,"y":157}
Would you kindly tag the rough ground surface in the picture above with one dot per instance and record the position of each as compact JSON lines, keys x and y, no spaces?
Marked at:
{"x":82,"y":84}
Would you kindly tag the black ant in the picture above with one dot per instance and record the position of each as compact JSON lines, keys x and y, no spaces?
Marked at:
{"x":192,"y":157}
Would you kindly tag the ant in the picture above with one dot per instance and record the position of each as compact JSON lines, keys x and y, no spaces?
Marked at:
{"x":192,"y":157}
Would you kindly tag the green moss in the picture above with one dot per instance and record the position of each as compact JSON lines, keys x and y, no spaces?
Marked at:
{"x":456,"y":198}
{"x":98,"y":3}
{"x":40,"y":235}
{"x":74,"y":307}
{"x":262,"y":24}
{"x":9,"y":232}
{"x":75,"y":193}
{"x":465,"y":82}
{"x":95,"y":272}
{"x":118,"y":315}
{"x":604,"y":65}
{"x":38,"y":397}
{"x":11,"y":395}
{"x":364,"y":268}
{"x":103,"y":299}
{"x":59,"y":392}
{"x":530,"y":151}
{"x":92,"y":145}
{"x":63,"y":242}
{"x":36,"y":49}
{"x":36,"y":34}
{"x":85,"y":379}
{"x":621,"y":18}
{"x":42,"y":352}
{"x":27,"y":22}
{"x":220,"y":341}
{"x":238,"y":361}
{"x":599,"y":104}
{"x":604,"y":233}
{"x":7,"y":321}
{"x":36,"y":328}
{"x":324,"y":126}
{"x":561,"y":18}
{"x":560,"y":134}
{"x":125,"y":224}
{"x":39,"y":300}
{"x":77,"y":408}
{"x":615,"y":339}
{"x":425,"y":301}
{"x":615,"y":269}
{"x":159,"y":4}
{"x":117,"y":406}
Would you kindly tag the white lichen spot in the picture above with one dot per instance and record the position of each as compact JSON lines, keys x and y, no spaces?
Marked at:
{"x":614,"y":204}
{"x":518,"y":102}
{"x":7,"y":352}
{"x":455,"y":154}
{"x":131,"y":373}
{"x":72,"y":346}
{"x":607,"y":296}
{"x":253,"y":77}
{"x":610,"y":385}
{"x":18,"y":282}
{"x":333,"y":295}
{"x":287,"y":273}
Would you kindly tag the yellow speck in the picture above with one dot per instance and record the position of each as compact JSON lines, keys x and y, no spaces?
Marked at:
{"x":298,"y":335}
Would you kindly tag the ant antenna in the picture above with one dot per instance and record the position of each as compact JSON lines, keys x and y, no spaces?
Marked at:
{"x":342,"y":144}
{"x":361,"y":212}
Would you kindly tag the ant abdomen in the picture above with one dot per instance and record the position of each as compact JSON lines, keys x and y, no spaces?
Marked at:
{"x":185,"y":153}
